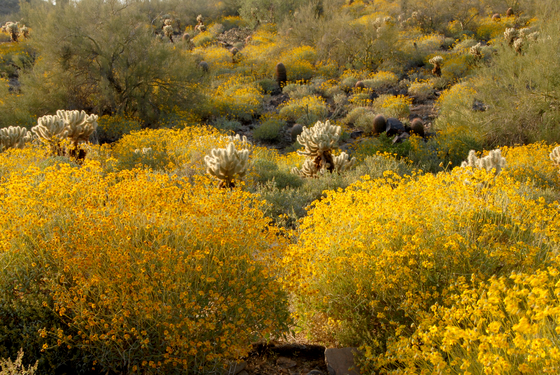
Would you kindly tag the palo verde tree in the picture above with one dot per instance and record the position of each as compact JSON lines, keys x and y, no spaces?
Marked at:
{"x":102,"y":56}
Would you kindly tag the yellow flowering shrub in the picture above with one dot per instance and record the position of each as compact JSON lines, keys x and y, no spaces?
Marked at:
{"x":299,"y":62}
{"x":531,"y":163}
{"x":393,"y":106}
{"x":141,"y":272}
{"x":508,"y":325}
{"x":237,"y":97}
{"x":306,"y":110}
{"x":372,"y":259}
{"x":381,"y":80}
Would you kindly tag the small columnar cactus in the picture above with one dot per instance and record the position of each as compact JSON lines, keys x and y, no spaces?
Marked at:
{"x":24,"y":32}
{"x":14,"y":137}
{"x":555,"y":156}
{"x":227,"y":164}
{"x":509,"y":12}
{"x":308,"y":169}
{"x":493,"y":161}
{"x":436,"y":61}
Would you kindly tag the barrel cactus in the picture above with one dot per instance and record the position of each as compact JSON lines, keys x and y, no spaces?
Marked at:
{"x":14,"y":137}
{"x":281,"y":75}
{"x":417,"y":127}
{"x":227,"y":164}
{"x":379,"y":124}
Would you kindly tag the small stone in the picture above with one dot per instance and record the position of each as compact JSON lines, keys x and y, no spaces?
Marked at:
{"x":394,"y":126}
{"x":401,"y":137}
{"x":237,"y":368}
{"x":285,"y":362}
{"x":341,"y":361}
{"x":315,"y":372}
{"x":356,"y":134}
{"x":243,"y":373}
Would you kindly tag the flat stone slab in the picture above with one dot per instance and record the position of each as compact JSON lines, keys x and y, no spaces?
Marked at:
{"x":341,"y":361}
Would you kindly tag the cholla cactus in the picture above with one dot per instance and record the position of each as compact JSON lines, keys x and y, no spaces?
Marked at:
{"x":436,"y":61}
{"x":555,"y":156}
{"x":200,"y":27}
{"x":24,"y":32}
{"x":14,"y":137}
{"x":510,"y":35}
{"x":308,"y":169}
{"x":168,"y":31}
{"x":343,"y":162}
{"x":143,"y":151}
{"x":318,"y":142}
{"x":493,"y":161}
{"x":476,"y":50}
{"x":226,"y":164}
{"x":518,"y":45}
{"x":13,"y":29}
{"x":75,"y":125}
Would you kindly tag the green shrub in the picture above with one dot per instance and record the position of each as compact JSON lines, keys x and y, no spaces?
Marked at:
{"x":304,"y":109}
{"x":269,"y":130}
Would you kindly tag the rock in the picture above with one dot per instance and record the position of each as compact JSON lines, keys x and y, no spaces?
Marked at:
{"x":401,"y":137}
{"x":341,"y":361}
{"x":355,"y":134}
{"x":237,"y":368}
{"x":394,"y":126}
{"x":373,"y":96}
{"x":285,"y":362}
{"x":479,"y":106}
{"x":315,"y":372}
{"x":243,"y":373}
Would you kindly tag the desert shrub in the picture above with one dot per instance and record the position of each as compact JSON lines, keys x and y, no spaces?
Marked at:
{"x":381,"y":80}
{"x":299,"y":63}
{"x":304,"y":110}
{"x":374,"y":276}
{"x":502,"y":325}
{"x":393,"y":106}
{"x":269,"y":130}
{"x":112,"y":128}
{"x":231,"y":22}
{"x":224,"y":124}
{"x":94,"y":57}
{"x":237,"y":97}
{"x":421,"y":90}
{"x":297,"y":91}
{"x":268,"y":85}
{"x":531,"y":164}
{"x":153,"y":273}
{"x":9,"y":367}
{"x":355,"y":114}
{"x":203,"y":39}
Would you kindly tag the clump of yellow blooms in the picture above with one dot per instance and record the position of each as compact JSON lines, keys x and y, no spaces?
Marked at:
{"x":143,"y":269}
{"x":369,"y":259}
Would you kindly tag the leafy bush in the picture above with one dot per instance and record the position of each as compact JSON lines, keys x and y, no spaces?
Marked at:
{"x":269,"y":130}
{"x":393,"y":106}
{"x":113,"y":128}
{"x":421,"y":90}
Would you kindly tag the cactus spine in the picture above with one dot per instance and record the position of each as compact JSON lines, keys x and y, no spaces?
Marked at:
{"x":226,"y":164}
{"x":14,"y":137}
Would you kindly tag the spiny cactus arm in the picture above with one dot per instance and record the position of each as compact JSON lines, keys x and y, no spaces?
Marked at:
{"x":555,"y":156}
{"x":225,"y":164}
{"x":343,"y":162}
{"x":49,"y":128}
{"x":319,"y":138}
{"x":471,"y":160}
{"x":494,"y":160}
{"x":436,"y":60}
{"x":308,"y":169}
{"x":81,"y":131}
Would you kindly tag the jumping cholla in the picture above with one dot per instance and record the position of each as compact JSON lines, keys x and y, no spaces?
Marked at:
{"x":436,"y":61}
{"x":14,"y":137}
{"x":12,"y":28}
{"x":510,"y":35}
{"x":168,"y":29}
{"x":476,"y":50}
{"x":74,"y":125}
{"x":200,"y":26}
{"x":493,"y":161}
{"x":226,"y":164}
{"x":318,"y":141}
{"x":555,"y":156}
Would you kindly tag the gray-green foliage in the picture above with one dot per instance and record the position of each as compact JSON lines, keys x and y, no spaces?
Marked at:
{"x":269,"y":130}
{"x":102,"y":55}
{"x":9,"y":367}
